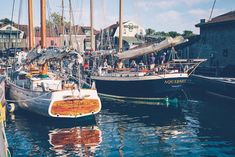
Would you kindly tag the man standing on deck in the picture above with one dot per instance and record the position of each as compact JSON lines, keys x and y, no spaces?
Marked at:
{"x":152,"y":61}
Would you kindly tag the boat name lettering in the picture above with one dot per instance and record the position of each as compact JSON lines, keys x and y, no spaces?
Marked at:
{"x":175,"y":81}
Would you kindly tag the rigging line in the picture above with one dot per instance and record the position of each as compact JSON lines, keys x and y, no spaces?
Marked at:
{"x":212,"y":9}
{"x":19,"y":19}
{"x":75,"y":28}
{"x":70,"y":22}
{"x":50,"y":24}
{"x":107,"y":40}
{"x":12,"y":13}
{"x":62,"y":19}
{"x":81,"y":13}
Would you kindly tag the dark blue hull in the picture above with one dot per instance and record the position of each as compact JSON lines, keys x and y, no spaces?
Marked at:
{"x":215,"y":86}
{"x":156,"y":88}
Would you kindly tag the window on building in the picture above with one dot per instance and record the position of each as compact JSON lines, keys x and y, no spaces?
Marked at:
{"x":225,"y":52}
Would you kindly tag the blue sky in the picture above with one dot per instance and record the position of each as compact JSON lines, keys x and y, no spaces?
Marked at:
{"x":161,"y":15}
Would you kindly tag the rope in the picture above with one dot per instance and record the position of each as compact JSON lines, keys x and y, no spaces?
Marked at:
{"x":12,"y":14}
{"x":19,"y":18}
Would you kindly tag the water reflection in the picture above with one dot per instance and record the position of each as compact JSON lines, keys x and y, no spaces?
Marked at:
{"x":190,"y":128}
{"x":80,"y":141}
{"x":33,"y":135}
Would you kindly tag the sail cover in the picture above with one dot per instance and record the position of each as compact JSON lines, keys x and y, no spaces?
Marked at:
{"x":168,"y":42}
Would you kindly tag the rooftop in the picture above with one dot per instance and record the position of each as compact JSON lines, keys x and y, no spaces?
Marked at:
{"x":227,"y":17}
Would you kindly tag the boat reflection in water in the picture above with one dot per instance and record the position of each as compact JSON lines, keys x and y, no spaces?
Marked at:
{"x":75,"y":141}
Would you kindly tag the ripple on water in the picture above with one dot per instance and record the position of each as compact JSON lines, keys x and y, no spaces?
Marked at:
{"x":129,"y":130}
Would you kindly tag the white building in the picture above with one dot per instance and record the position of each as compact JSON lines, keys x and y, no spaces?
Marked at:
{"x":132,"y":34}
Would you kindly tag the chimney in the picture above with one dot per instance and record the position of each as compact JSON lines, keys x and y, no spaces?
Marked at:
{"x":203,"y":21}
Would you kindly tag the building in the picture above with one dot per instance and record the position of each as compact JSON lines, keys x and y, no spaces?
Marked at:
{"x":17,"y":36}
{"x":216,"y":42}
{"x":10,"y":36}
{"x":133,"y":35}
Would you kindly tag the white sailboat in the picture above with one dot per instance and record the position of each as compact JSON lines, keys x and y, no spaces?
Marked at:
{"x":47,"y":92}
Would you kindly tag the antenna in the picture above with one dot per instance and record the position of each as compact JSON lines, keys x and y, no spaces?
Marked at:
{"x":212,"y":9}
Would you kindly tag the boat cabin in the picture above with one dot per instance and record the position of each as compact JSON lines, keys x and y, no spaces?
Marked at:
{"x":36,"y":82}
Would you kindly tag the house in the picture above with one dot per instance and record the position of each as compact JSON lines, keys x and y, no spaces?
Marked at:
{"x":216,"y":42}
{"x":10,"y":36}
{"x":132,"y":34}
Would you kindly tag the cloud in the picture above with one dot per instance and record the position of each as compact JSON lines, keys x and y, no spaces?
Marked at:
{"x":167,"y":4}
{"x":205,"y":13}
{"x":155,"y":4}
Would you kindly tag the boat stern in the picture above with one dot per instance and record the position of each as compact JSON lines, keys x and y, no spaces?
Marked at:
{"x":75,"y":104}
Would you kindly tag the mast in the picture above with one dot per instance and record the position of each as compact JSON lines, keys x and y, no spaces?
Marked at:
{"x":120,"y":24}
{"x":43,"y":23}
{"x":91,"y":22}
{"x":30,"y":20}
{"x":70,"y":23}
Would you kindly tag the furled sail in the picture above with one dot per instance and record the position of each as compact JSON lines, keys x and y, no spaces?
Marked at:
{"x":168,"y":42}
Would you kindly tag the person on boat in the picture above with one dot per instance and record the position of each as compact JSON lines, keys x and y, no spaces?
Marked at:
{"x":141,"y":63}
{"x":133,"y":64}
{"x":163,"y":58}
{"x":106,"y":65}
{"x":120,"y":64}
{"x":152,"y":61}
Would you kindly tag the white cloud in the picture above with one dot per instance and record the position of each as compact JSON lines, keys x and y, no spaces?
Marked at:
{"x":167,"y":4}
{"x":162,"y":4}
{"x":172,"y":21}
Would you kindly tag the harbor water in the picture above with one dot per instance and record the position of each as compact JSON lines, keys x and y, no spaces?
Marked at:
{"x":199,"y":126}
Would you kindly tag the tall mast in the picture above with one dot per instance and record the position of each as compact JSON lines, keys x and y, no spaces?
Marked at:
{"x":30,"y":20}
{"x":43,"y":23}
{"x":91,"y":22}
{"x":120,"y":24}
{"x":62,"y":18}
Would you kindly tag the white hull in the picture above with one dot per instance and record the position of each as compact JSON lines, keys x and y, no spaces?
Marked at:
{"x":41,"y":102}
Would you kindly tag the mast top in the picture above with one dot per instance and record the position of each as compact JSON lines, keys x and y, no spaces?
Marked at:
{"x":120,"y":25}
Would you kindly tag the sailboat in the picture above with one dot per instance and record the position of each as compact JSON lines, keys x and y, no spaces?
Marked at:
{"x":141,"y":83}
{"x":52,"y":93}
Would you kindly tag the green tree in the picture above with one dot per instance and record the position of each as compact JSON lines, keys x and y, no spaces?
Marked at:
{"x":55,"y":19}
{"x":173,"y":34}
{"x":6,"y":21}
{"x":187,"y":34}
{"x":150,"y":31}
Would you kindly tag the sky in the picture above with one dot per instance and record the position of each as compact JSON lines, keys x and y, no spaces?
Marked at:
{"x":160,"y":15}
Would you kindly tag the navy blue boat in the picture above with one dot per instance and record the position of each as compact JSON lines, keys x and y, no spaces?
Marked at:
{"x":147,"y":85}
{"x":218,"y":86}
{"x":142,"y":87}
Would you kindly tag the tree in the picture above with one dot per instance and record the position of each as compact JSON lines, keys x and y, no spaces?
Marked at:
{"x":187,"y":33}
{"x":150,"y":31}
{"x":6,"y":21}
{"x":173,"y":34}
{"x":55,"y":20}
